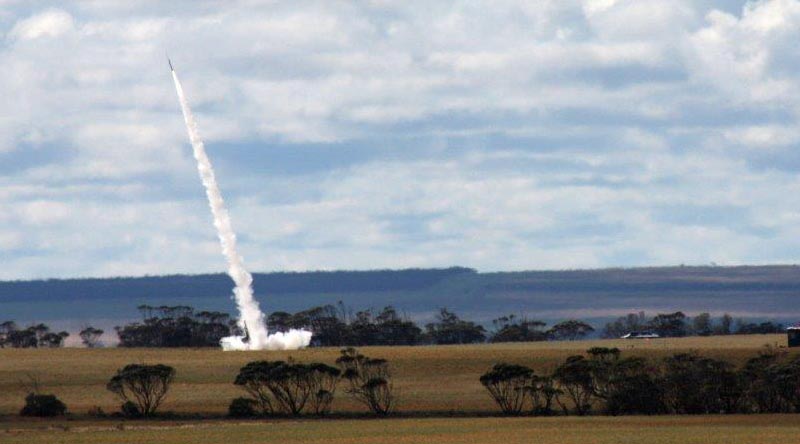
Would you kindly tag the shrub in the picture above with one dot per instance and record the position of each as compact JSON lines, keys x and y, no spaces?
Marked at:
{"x":508,"y":385}
{"x":369,"y":380}
{"x":129,"y":409}
{"x":43,"y":406}
{"x":96,"y":412}
{"x":242,"y":408}
{"x":141,"y":386}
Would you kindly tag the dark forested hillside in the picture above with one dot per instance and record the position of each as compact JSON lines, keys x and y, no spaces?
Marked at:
{"x":747,"y":291}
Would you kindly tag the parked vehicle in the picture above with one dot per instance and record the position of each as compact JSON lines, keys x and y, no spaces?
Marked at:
{"x":640,"y":335}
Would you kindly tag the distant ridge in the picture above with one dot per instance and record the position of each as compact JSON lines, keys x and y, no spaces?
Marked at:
{"x":770,"y":291}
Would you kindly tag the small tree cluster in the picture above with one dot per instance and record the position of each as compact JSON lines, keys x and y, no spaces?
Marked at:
{"x":338,"y":326}
{"x":517,"y":389}
{"x":683,"y":383}
{"x":450,"y":329}
{"x":90,"y":337}
{"x":369,"y":380}
{"x":677,"y":324}
{"x":34,"y":336}
{"x":285,"y":387}
{"x":175,"y":326}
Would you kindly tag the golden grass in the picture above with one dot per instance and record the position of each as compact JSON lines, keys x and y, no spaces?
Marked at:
{"x":753,"y":429}
{"x":435,"y":378}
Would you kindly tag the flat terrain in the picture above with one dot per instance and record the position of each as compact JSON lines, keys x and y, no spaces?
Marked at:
{"x":429,"y":379}
{"x":752,"y":429}
{"x":437,"y":381}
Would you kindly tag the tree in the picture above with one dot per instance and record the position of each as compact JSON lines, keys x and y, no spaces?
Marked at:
{"x":450,"y":329}
{"x":510,"y":329}
{"x":625,"y":384}
{"x":38,"y":335}
{"x":750,"y":328}
{"x":23,"y":338}
{"x":763,"y":380}
{"x":724,"y":327}
{"x":395,"y":330}
{"x":175,"y":326}
{"x":369,"y":380}
{"x":671,"y":325}
{"x":253,"y":378}
{"x":289,"y":387}
{"x":6,"y":328}
{"x":570,"y":330}
{"x":53,"y":340}
{"x":90,"y":336}
{"x":509,"y":385}
{"x":574,"y":378}
{"x":144,"y":386}
{"x":325,"y":322}
{"x":542,"y":392}
{"x":695,"y":385}
{"x":625,"y":324}
{"x":701,"y":324}
{"x":324,"y":381}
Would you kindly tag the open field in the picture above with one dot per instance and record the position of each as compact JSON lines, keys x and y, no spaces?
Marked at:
{"x":436,"y":379}
{"x":735,"y":429}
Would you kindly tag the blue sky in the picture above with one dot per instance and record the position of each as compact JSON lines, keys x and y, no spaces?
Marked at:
{"x":499,"y":135}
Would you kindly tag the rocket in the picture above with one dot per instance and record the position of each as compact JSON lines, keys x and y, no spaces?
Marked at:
{"x":170,"y":64}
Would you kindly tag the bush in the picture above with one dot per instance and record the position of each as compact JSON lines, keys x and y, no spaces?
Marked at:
{"x":242,"y":408}
{"x":96,"y":412}
{"x":129,"y":409}
{"x":43,"y":406}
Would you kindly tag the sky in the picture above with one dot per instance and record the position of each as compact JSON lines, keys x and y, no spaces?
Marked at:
{"x":499,"y":135}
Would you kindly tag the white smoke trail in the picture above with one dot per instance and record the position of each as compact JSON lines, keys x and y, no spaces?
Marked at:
{"x":251,"y":318}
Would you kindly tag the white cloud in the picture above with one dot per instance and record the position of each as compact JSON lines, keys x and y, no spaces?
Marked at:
{"x":51,"y":23}
{"x":504,"y":136}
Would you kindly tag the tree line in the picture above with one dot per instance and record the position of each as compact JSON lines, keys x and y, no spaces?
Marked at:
{"x":271,"y":388}
{"x":340,"y":326}
{"x":605,"y":382}
{"x":601,"y":381}
{"x":677,"y":324}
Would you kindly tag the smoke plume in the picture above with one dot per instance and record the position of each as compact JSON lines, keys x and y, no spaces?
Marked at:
{"x":251,"y":319}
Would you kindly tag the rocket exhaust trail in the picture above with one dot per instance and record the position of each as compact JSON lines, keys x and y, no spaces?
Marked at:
{"x":250,"y":314}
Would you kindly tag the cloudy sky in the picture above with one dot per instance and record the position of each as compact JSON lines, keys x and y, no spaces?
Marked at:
{"x":499,"y":135}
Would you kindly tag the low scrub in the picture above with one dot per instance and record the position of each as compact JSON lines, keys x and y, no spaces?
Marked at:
{"x":43,"y":406}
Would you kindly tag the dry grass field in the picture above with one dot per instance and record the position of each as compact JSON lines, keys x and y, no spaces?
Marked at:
{"x":436,"y":378}
{"x":752,"y":429}
{"x":440,"y":380}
